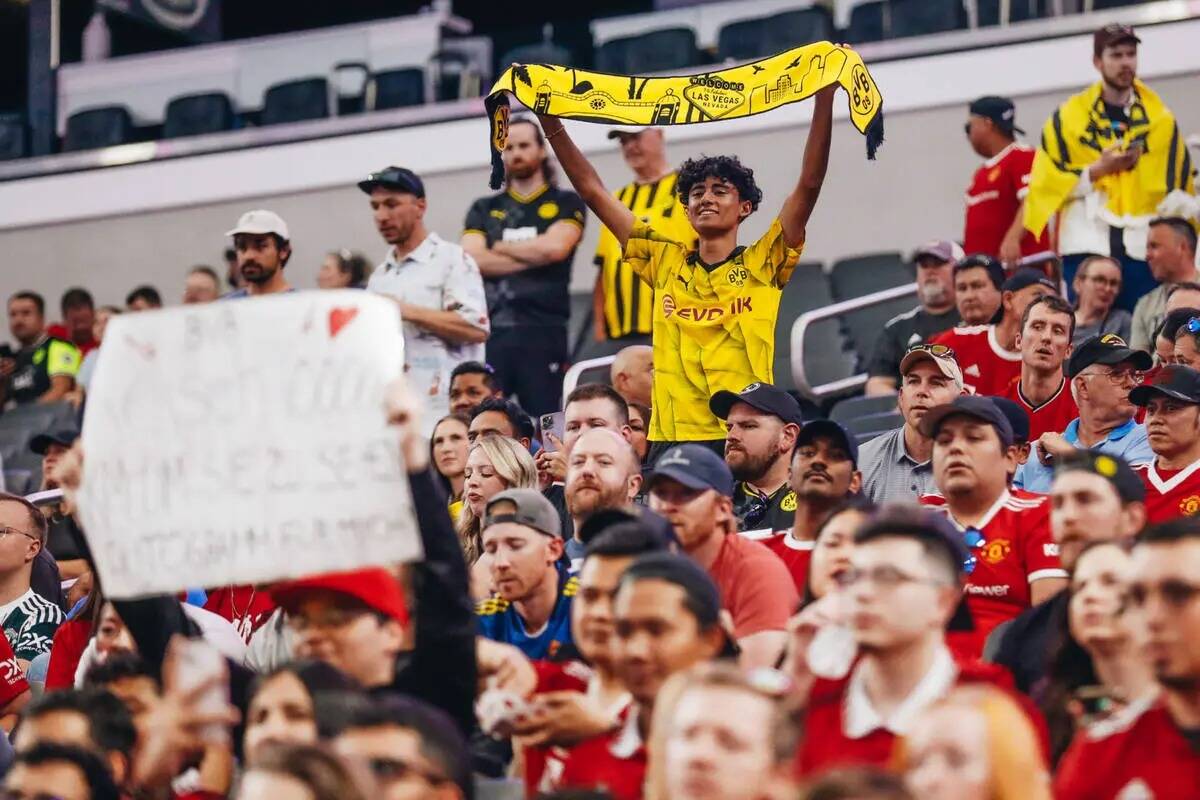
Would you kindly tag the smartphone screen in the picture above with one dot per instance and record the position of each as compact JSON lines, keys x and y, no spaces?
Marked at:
{"x":551,"y":423}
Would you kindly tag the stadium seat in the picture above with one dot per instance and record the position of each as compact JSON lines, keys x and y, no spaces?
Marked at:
{"x":194,"y":114}
{"x":853,"y":407}
{"x":295,"y":101}
{"x":808,"y":289}
{"x":860,"y":275}
{"x":826,"y":357}
{"x":743,"y":40}
{"x":657,"y":51}
{"x":921,"y":17}
{"x":755,"y":38}
{"x":540,"y":53}
{"x":98,"y":127}
{"x":863,"y":326}
{"x":19,"y":481}
{"x":398,"y":88}
{"x":868,"y":23}
{"x":871,"y":425}
{"x":613,"y":55}
{"x":1019,"y":11}
{"x":1101,"y":4}
{"x":14,"y":137}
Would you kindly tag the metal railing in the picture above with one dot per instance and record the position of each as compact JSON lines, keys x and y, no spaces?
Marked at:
{"x":571,"y":379}
{"x":800,"y":329}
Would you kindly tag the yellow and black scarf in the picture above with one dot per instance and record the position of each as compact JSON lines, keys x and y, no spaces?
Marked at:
{"x":685,"y":99}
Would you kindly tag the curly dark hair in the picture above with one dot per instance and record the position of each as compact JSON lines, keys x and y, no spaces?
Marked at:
{"x":727,"y":168}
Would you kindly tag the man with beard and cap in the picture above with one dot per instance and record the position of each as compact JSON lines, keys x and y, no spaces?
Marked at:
{"x":934,"y":263}
{"x":263,"y":246}
{"x":524,"y":241}
{"x":602,"y":472}
{"x":762,"y":423}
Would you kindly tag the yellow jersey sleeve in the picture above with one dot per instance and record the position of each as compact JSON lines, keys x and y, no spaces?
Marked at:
{"x":647,"y":252}
{"x":62,"y":359}
{"x":770,"y":259}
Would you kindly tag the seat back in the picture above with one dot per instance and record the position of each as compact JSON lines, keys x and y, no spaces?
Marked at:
{"x":807,"y":289}
{"x":14,"y":137}
{"x":614,"y":55}
{"x":922,"y":17}
{"x":540,"y":53}
{"x":854,"y":407}
{"x":194,"y":114}
{"x":796,"y":28}
{"x":868,"y":23}
{"x":657,"y":51}
{"x":743,"y":40}
{"x":98,"y":127}
{"x":398,"y":88}
{"x":295,"y":101}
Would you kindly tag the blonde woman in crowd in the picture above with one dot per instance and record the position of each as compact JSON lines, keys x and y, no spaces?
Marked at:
{"x":494,"y":463}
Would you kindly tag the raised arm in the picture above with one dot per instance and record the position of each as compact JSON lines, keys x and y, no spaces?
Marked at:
{"x":800,"y":203}
{"x":583,"y":176}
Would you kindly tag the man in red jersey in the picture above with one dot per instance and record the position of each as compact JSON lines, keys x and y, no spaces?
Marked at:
{"x":987,"y":353}
{"x":1172,"y":403}
{"x":995,"y":219}
{"x":1149,"y":749}
{"x":1045,"y":344}
{"x":693,"y":488}
{"x":1014,"y":560}
{"x":903,"y":586}
{"x":824,"y":474}
{"x":667,"y":611}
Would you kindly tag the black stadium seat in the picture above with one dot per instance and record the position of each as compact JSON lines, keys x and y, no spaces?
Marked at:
{"x":854,"y":407}
{"x":14,"y":137}
{"x":657,"y":51}
{"x":98,"y":127}
{"x":743,"y":40}
{"x":868,"y":427}
{"x":755,"y":38}
{"x":194,"y":114}
{"x":398,"y":88}
{"x":613,"y":55}
{"x":867,"y":23}
{"x":294,"y":101}
{"x":860,"y":275}
{"x":1019,"y":11}
{"x":921,"y":17}
{"x":808,"y":289}
{"x":540,"y":53}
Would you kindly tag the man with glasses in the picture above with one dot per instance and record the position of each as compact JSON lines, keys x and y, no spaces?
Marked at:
{"x":28,"y":619}
{"x":435,"y":284}
{"x":1148,"y":749}
{"x":1171,"y":255}
{"x":1172,"y":477}
{"x":1102,"y":371}
{"x":1013,"y":562}
{"x":897,"y":466}
{"x":762,"y":423}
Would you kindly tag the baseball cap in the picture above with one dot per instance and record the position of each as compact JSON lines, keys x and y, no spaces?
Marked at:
{"x":1179,"y":382}
{"x":64,"y":437}
{"x":995,"y":269}
{"x":531,"y":509}
{"x":1026,"y":277}
{"x":621,"y":133}
{"x":398,"y":178}
{"x":261,"y":221}
{"x":980,"y":408}
{"x":374,"y":587}
{"x":1106,"y":349}
{"x":833,"y":430}
{"x":999,"y":110}
{"x":1113,"y":469}
{"x":694,"y":466}
{"x":1018,"y":418}
{"x":941,"y":249}
{"x":762,"y":396}
{"x":940,"y":355}
{"x":1110,"y":34}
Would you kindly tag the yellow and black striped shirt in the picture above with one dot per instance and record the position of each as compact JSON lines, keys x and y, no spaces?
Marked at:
{"x":628,"y":301}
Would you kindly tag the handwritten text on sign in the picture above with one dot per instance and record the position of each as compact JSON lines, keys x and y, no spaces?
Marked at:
{"x":245,"y":441}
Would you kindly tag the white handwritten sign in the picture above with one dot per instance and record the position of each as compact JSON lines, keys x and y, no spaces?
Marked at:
{"x":245,"y":441}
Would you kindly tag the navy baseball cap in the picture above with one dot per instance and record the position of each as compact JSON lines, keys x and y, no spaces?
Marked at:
{"x":1026,"y":277}
{"x":833,"y":430}
{"x":762,"y":396}
{"x":969,"y":405}
{"x":396,"y":178}
{"x":694,"y":466}
{"x":1113,"y":469}
{"x":1018,"y":418}
{"x":1179,"y":382}
{"x":1106,"y":349}
{"x":999,"y":110}
{"x":63,"y":438}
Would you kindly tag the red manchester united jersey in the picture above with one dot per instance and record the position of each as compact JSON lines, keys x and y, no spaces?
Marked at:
{"x":794,"y":553}
{"x":1171,"y":494}
{"x":614,"y":762}
{"x":987,"y":368}
{"x":1138,"y":753}
{"x":1016,"y":550}
{"x":995,"y":193}
{"x":1052,"y":416}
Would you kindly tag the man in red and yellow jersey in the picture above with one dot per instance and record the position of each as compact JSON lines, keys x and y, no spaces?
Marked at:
{"x":1172,"y":403}
{"x":715,"y":302}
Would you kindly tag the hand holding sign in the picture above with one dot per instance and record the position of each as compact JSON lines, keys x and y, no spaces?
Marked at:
{"x":246,"y":442}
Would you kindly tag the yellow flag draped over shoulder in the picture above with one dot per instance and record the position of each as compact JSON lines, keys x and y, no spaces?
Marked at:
{"x":727,"y":93}
{"x":1075,"y":135}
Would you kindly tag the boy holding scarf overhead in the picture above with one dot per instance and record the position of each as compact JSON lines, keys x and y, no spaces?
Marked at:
{"x":1110,"y":159}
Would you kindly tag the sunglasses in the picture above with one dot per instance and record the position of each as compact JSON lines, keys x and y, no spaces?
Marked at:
{"x":935,"y":350}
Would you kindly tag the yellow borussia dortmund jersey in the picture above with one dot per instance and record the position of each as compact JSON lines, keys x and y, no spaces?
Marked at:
{"x":628,"y":306}
{"x":714,"y":327}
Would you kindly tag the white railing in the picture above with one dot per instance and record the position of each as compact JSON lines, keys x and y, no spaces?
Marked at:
{"x":800,"y":329}
{"x":571,"y":379}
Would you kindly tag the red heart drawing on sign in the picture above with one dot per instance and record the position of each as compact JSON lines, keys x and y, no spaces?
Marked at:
{"x":340,"y":318}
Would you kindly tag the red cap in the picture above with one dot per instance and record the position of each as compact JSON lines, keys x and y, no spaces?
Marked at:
{"x":375,"y":588}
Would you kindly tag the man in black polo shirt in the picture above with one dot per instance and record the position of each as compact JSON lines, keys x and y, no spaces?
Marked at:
{"x":43,"y":369}
{"x":524,"y":241}
{"x":934,"y":265}
{"x":763,"y":423}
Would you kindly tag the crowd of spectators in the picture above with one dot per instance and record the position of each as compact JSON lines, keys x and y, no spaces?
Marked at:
{"x":672,"y":584}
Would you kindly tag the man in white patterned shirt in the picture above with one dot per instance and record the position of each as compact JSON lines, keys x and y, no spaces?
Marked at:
{"x":29,"y":620}
{"x":435,"y":283}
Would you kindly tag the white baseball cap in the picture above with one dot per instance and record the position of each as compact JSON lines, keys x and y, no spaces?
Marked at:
{"x":260,"y":221}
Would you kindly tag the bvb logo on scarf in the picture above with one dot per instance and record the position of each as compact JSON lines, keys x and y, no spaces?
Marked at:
{"x":730,"y":93}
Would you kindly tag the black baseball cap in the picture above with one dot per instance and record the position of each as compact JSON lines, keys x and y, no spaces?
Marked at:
{"x":1113,"y":33}
{"x":995,"y":269}
{"x":1106,"y":349}
{"x":694,"y":466}
{"x":1181,"y":383}
{"x":1018,"y":418}
{"x":397,"y":178}
{"x":64,"y":437}
{"x":1113,"y":469}
{"x":969,"y":405}
{"x":833,"y":430}
{"x":999,"y":110}
{"x":1026,"y":277}
{"x":762,"y":396}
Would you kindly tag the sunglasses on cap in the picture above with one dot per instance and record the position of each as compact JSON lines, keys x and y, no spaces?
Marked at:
{"x":1193,"y":326}
{"x":974,"y":540}
{"x":935,"y":350}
